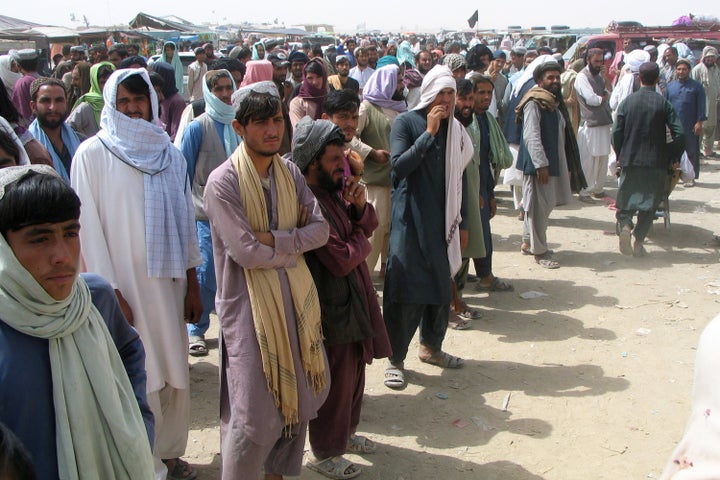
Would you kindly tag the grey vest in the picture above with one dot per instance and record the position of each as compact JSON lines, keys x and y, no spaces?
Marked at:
{"x":210,"y":156}
{"x":595,"y":116}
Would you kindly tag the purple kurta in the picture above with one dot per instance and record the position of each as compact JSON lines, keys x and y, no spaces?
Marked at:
{"x":345,"y":254}
{"x":247,"y":408}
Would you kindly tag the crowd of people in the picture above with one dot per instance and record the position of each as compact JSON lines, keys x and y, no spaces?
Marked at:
{"x":275,"y":195}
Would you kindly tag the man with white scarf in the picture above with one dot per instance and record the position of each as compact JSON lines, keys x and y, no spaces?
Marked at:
{"x":139,"y":233}
{"x":207,"y":142}
{"x":429,"y":151}
{"x":72,"y":369}
{"x":708,"y":73}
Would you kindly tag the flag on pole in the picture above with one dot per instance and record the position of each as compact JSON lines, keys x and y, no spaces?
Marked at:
{"x":473,"y":20}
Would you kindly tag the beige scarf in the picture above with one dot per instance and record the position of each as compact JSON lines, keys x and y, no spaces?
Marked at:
{"x":266,"y":298}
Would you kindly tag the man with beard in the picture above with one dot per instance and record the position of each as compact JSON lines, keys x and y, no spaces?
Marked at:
{"x":593,"y":92}
{"x":640,"y":139}
{"x":423,"y":62}
{"x":688,"y":99}
{"x":382,"y":103}
{"x":708,"y":74}
{"x":670,"y":58}
{"x":343,"y":80}
{"x":49,"y":106}
{"x":207,"y":142}
{"x":430,"y":150}
{"x":353,"y":329}
{"x":362,"y":71}
{"x":373,"y":55}
{"x":471,"y":229}
{"x":298,"y":59}
{"x":263,"y":218}
{"x":543,"y":160}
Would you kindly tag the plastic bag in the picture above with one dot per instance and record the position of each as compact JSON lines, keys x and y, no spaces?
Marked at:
{"x":687,"y":171}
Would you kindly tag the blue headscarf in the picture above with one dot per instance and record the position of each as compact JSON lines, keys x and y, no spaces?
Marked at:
{"x":221,"y":112}
{"x":176,"y":64}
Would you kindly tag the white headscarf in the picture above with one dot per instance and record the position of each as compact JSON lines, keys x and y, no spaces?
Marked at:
{"x":7,"y":75}
{"x":100,"y":432}
{"x":458,"y":153}
{"x":143,"y":145}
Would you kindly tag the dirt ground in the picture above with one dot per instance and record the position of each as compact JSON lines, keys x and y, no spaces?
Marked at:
{"x":596,"y":374}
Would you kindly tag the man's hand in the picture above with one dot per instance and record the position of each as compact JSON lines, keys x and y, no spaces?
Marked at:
{"x":698,"y":128}
{"x":303,"y":218}
{"x":266,"y":238}
{"x":438,"y":113}
{"x":357,"y":167}
{"x":543,"y":175}
{"x":355,"y":194}
{"x":193,"y":302}
{"x":125,"y":308}
{"x":464,"y":239}
{"x":493,"y":207}
{"x":379,"y":156}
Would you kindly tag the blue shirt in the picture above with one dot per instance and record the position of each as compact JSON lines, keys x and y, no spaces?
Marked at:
{"x":26,"y":393}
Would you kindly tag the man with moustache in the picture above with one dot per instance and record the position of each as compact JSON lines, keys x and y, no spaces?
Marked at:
{"x":543,"y":160}
{"x":593,"y":86}
{"x":353,"y":329}
{"x":263,"y":218}
{"x":708,"y":74}
{"x":49,"y":106}
{"x":343,"y":80}
{"x":430,"y":150}
{"x":687,"y":97}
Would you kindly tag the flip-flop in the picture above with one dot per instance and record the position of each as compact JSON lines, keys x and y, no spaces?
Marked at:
{"x":624,"y":241}
{"x":456,"y":322}
{"x":360,"y":444}
{"x":497,"y":285}
{"x":443,"y":360}
{"x":546,"y":261}
{"x":197,"y":346}
{"x":470,"y":314}
{"x":181,"y":471}
{"x":335,"y":468}
{"x":395,"y":377}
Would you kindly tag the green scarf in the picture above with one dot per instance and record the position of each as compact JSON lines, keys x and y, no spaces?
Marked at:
{"x":99,"y":429}
{"x":95,"y":96}
{"x":500,"y":155}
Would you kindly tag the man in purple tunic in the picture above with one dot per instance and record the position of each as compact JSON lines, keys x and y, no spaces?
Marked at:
{"x":274,"y":372}
{"x":353,"y":326}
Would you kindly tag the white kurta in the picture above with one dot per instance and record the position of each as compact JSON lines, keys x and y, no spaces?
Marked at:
{"x":113,"y":245}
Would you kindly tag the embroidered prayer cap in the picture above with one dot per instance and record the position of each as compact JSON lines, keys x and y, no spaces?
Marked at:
{"x":342,"y":59}
{"x":265,"y":86}
{"x":12,"y":174}
{"x":683,"y":61}
{"x":454,"y":61}
{"x":25,"y":54}
{"x":310,"y":137}
{"x":279,"y":59}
